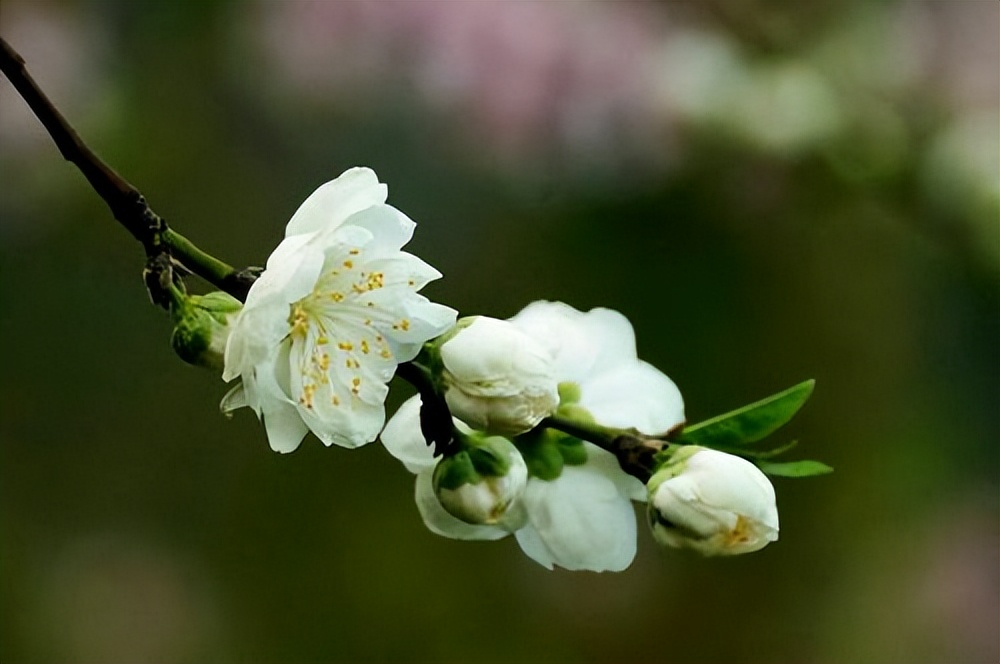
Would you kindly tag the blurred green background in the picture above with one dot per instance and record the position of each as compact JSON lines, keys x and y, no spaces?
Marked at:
{"x":769,"y":192}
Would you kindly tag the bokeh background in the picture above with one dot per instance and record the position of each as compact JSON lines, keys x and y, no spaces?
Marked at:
{"x":769,"y":191}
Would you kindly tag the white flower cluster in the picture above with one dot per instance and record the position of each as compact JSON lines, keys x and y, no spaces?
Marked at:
{"x":337,"y":310}
{"x":582,"y":518}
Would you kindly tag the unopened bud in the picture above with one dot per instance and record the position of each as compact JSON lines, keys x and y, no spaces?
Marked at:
{"x":497,"y":378}
{"x":481,"y":484}
{"x":712,"y":502}
{"x":201,"y":327}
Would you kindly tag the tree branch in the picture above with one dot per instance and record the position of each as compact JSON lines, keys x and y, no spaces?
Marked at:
{"x":127,"y":204}
{"x":635,"y":453}
{"x":435,"y":418}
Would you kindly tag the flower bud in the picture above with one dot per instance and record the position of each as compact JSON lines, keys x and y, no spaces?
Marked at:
{"x":712,"y":502}
{"x":480,"y":484}
{"x":201,"y":327}
{"x":497,"y":378}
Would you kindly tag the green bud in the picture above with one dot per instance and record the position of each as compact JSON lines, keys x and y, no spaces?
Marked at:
{"x":201,"y":327}
{"x":481,"y":483}
{"x":569,"y":392}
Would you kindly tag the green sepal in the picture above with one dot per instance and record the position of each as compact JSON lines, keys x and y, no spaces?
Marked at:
{"x":806,"y":468}
{"x":220,"y":305}
{"x":481,"y":457}
{"x":673,"y":456}
{"x":454,"y":471}
{"x":200,"y":321}
{"x":430,"y":353}
{"x":572,"y":451}
{"x":491,"y":456}
{"x":751,"y":423}
{"x":541,"y":452}
{"x":190,"y":340}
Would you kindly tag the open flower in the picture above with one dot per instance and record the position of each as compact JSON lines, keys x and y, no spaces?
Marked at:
{"x":333,"y":314}
{"x":579,"y":516}
{"x":712,"y":502}
{"x":582,"y":520}
{"x":594,"y":358}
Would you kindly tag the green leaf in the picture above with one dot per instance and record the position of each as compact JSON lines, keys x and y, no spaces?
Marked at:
{"x":806,"y":468}
{"x":749,"y":423}
{"x":776,"y":451}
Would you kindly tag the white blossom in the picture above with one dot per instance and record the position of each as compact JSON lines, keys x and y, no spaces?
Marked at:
{"x":583,"y":519}
{"x":595,"y":352}
{"x":333,"y":314}
{"x":498,"y":378}
{"x":712,"y":502}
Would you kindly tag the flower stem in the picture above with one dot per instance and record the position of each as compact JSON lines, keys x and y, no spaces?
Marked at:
{"x":636,"y":453}
{"x":590,"y":431}
{"x":206,"y":266}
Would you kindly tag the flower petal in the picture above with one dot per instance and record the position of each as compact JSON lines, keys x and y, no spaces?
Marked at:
{"x":290,"y":278}
{"x":578,"y":521}
{"x":604,"y":462}
{"x":263,"y":321}
{"x":613,"y":335}
{"x":405,"y":270}
{"x":390,"y":229}
{"x":351,"y":427}
{"x":423,"y":320}
{"x":534,"y":547}
{"x":336,"y":403}
{"x":556,"y":326}
{"x":332,"y":203}
{"x":581,"y":344}
{"x":285,"y":429}
{"x":633,"y":395}
{"x":439,"y":522}
{"x":234,"y":399}
{"x":256,"y":333}
{"x":403,"y":439}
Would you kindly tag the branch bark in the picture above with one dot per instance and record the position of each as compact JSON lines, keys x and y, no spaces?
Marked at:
{"x":127,"y":204}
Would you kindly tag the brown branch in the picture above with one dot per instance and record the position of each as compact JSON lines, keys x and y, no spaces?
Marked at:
{"x":127,"y":203}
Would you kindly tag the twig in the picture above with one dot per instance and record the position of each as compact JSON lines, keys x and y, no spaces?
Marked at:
{"x":127,"y":203}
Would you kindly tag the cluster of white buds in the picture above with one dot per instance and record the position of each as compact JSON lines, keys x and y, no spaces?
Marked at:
{"x":507,"y":376}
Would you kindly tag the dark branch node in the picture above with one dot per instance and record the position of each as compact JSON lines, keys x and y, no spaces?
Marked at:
{"x":238,"y":283}
{"x":158,"y":275}
{"x":435,"y":418}
{"x":637,"y":455}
